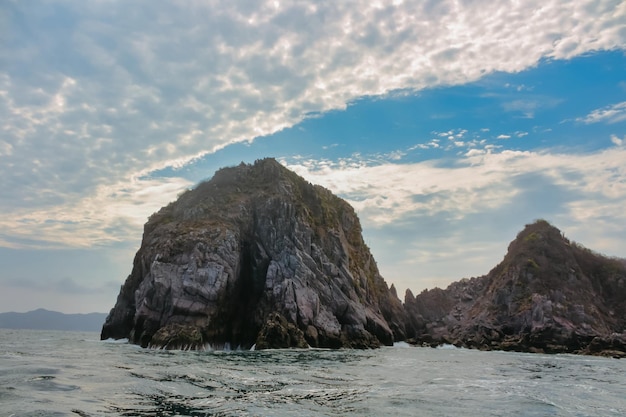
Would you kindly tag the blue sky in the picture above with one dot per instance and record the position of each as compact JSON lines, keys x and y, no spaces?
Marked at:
{"x":447,"y":125}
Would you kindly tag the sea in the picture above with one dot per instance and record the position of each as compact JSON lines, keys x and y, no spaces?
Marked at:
{"x":56,"y":373}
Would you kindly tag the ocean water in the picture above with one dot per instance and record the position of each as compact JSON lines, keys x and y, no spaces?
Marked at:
{"x":45,"y":373}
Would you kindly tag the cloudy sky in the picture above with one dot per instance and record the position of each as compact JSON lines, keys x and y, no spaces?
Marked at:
{"x":448,"y":125}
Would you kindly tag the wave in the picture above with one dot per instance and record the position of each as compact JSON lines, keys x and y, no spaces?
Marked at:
{"x":111,"y":340}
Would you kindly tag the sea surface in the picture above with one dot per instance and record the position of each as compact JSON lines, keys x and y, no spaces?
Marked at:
{"x":54,"y":373}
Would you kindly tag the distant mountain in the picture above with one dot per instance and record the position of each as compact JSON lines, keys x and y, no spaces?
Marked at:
{"x":51,"y":320}
{"x":547,"y":295}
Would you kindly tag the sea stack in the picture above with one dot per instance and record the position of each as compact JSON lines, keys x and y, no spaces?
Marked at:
{"x":547,"y":295}
{"x":257,"y":255}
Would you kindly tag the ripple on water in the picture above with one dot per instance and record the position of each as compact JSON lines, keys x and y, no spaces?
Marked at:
{"x":74,"y":376}
{"x":48,"y":383}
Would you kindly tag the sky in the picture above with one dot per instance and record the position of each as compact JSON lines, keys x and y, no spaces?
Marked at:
{"x":448,"y":125}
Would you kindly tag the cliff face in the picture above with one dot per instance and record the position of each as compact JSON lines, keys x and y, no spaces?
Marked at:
{"x":547,"y":295}
{"x":255,"y":255}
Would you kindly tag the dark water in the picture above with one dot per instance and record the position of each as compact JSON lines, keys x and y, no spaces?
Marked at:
{"x":75,"y":374}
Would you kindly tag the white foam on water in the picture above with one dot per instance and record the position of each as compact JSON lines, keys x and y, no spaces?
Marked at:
{"x":447,"y":346}
{"x":226,"y":347}
{"x":111,"y":340}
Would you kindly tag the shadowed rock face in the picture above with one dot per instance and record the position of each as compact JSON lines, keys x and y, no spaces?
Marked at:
{"x":255,"y":246}
{"x":547,"y":295}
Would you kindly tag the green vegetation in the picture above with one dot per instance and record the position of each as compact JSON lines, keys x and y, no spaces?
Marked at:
{"x":531,"y":237}
{"x":531,"y":263}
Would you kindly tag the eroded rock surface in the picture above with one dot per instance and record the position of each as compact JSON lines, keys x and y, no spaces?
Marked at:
{"x":547,"y":295}
{"x":254,"y":241}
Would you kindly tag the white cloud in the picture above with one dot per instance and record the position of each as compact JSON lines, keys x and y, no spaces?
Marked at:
{"x":433,"y":144}
{"x":111,"y":213}
{"x":471,"y":208}
{"x":125,"y":88}
{"x":386,"y":193}
{"x":610,"y":114}
{"x":395,"y":155}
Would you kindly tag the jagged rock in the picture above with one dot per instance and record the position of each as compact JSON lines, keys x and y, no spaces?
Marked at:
{"x":177,"y":336}
{"x":255,"y":240}
{"x":547,"y":295}
{"x":278,"y":333}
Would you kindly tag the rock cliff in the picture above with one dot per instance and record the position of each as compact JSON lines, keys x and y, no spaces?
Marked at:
{"x":255,"y":255}
{"x":547,"y":295}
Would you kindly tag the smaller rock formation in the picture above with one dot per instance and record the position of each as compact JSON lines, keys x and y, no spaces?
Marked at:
{"x":278,"y":333}
{"x":547,"y":295}
{"x":177,"y":336}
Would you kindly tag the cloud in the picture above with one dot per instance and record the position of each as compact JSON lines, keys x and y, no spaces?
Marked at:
{"x":617,"y":141}
{"x":611,"y":114}
{"x":63,"y":294}
{"x":387,"y":193}
{"x":97,"y":94}
{"x":481,"y":181}
{"x":433,"y":144}
{"x":66,"y":286}
{"x":472,"y":207}
{"x":525,"y":106}
{"x":111,"y":213}
{"x":529,"y":105}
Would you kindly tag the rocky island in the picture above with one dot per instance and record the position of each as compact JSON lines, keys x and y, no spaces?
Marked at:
{"x":547,"y":295}
{"x":255,"y":256}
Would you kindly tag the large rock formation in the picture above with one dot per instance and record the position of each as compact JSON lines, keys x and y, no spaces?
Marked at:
{"x":256,"y":254}
{"x":547,"y":295}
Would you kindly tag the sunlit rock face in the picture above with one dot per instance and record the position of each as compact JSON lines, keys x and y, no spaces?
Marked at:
{"x":255,"y":246}
{"x":547,"y":295}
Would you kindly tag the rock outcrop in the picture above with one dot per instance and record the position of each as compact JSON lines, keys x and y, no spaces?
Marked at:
{"x":255,"y":255}
{"x":547,"y":295}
